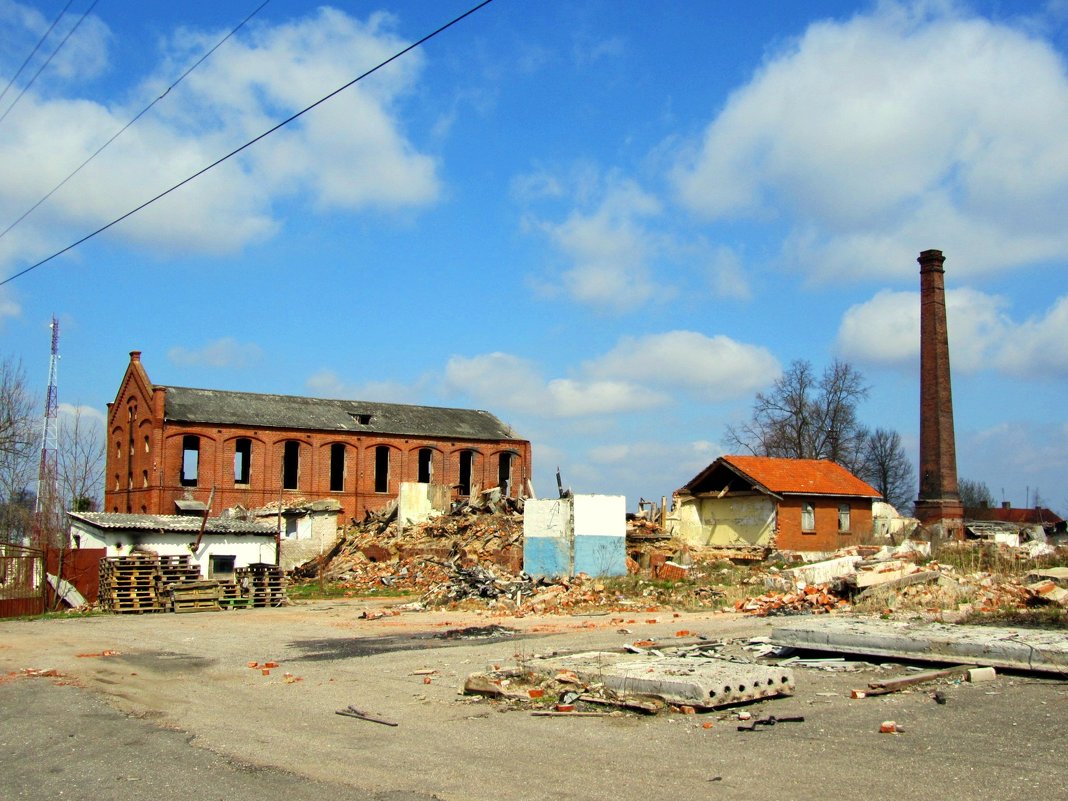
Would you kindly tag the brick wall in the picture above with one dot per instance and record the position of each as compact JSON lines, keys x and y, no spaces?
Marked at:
{"x":825,"y":536}
{"x":161,"y":469}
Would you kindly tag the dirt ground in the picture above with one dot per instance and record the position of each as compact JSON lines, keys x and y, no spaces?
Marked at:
{"x":1006,"y":739}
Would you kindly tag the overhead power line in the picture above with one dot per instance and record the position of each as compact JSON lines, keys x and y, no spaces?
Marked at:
{"x":48,"y":60}
{"x":36,"y":47}
{"x":249,"y":143}
{"x":140,"y":114}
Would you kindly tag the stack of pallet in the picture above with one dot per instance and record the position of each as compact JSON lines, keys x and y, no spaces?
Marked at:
{"x":263,"y":584}
{"x":128,"y":583}
{"x":174,"y":569}
{"x":230,"y":596}
{"x":194,"y":596}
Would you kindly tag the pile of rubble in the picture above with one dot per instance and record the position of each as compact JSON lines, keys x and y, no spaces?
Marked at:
{"x":687,"y":675}
{"x":381,"y":551}
{"x":903,"y":576}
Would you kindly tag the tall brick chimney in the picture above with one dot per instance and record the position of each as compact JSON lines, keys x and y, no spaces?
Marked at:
{"x":938,"y":507}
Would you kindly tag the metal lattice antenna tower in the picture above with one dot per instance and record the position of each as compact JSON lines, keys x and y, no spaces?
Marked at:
{"x":48,"y":472}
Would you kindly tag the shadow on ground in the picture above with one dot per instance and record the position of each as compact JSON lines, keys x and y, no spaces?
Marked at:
{"x":324,"y":650}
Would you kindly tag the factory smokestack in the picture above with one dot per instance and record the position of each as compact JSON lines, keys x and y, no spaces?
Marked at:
{"x":938,"y":507}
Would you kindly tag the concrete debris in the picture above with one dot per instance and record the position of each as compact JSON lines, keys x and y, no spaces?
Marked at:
{"x":685,"y":678}
{"x":1012,"y":648}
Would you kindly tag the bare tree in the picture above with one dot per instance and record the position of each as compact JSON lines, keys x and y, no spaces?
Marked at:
{"x":16,"y":410}
{"x":974,"y":494}
{"x":888,"y":469}
{"x":806,"y":416}
{"x":81,"y":463}
{"x":17,"y":465}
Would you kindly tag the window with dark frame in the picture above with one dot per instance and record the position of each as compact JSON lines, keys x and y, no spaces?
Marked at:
{"x":467,"y":459}
{"x":426,"y":465}
{"x":242,"y":460}
{"x":382,"y":468}
{"x":290,"y":465}
{"x":221,"y":566}
{"x":843,"y":518}
{"x":190,"y":460}
{"x":337,"y":467}
{"x":504,"y":473}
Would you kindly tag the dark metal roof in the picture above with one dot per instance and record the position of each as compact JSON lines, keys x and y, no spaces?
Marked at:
{"x":173,"y":523}
{"x":217,"y":407}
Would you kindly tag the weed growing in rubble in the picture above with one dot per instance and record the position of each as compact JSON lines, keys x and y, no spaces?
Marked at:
{"x":987,"y":557}
{"x":1042,"y":617}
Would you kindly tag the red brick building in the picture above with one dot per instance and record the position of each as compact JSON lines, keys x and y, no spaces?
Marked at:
{"x":169,"y":445}
{"x":790,"y":504}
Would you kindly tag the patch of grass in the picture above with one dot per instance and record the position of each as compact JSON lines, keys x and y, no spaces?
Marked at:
{"x":1039,"y":617}
{"x":63,"y":614}
{"x":325,"y":591}
{"x":986,"y":557}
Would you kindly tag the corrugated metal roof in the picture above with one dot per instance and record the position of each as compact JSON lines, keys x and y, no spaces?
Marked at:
{"x":176,"y":523}
{"x":219,"y":407}
{"x":792,"y":476}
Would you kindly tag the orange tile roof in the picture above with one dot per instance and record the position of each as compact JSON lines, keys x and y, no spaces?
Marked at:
{"x":800,"y":476}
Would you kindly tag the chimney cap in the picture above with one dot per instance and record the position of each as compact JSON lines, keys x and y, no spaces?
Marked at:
{"x":135,"y":355}
{"x":931,"y":260}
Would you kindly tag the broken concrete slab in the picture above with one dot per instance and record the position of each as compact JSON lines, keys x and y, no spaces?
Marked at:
{"x":699,"y":682}
{"x":1020,"y":649}
{"x":823,"y":572}
{"x":897,"y":581}
{"x":1058,"y":575}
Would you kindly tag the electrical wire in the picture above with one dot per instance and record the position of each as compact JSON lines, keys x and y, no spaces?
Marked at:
{"x":48,"y":60}
{"x":249,"y":143}
{"x":140,"y":114}
{"x":36,"y":47}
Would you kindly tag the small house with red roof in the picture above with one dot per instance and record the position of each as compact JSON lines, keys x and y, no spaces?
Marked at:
{"x":789,"y":504}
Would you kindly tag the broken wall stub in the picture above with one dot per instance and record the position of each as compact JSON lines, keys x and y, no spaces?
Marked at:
{"x":547,"y":549}
{"x":418,"y":502}
{"x":600,"y":529}
{"x":735,"y":520}
{"x":581,"y":534}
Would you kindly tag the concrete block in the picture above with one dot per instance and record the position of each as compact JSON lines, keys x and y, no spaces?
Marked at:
{"x":982,"y":674}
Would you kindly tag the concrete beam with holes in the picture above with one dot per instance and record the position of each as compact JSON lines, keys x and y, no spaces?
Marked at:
{"x":704,"y":682}
{"x":1019,"y":649}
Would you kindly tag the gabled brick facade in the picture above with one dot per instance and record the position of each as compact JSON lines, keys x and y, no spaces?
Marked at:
{"x":166,"y":444}
{"x":790,"y":504}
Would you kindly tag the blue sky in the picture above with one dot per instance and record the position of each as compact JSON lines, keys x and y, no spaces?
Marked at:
{"x":609,"y":223}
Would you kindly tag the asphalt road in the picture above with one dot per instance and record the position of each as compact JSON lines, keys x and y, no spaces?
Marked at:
{"x":66,"y":742}
{"x":165,"y":707}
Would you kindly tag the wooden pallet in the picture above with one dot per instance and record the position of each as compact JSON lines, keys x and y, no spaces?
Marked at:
{"x":264,"y":584}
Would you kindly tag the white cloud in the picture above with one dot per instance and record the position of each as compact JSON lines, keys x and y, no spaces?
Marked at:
{"x":349,"y":154}
{"x":85,"y":414}
{"x":725,"y":275}
{"x":9,"y":307}
{"x":609,"y":248}
{"x":908,"y":128}
{"x":886,"y":331}
{"x":328,"y":384}
{"x":222,"y":353}
{"x":712,"y":368}
{"x":1025,"y":457}
{"x":505,"y":381}
{"x":1038,"y":347}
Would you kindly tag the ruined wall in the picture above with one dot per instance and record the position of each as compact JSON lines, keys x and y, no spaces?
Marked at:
{"x":149,"y":480}
{"x":731,"y":520}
